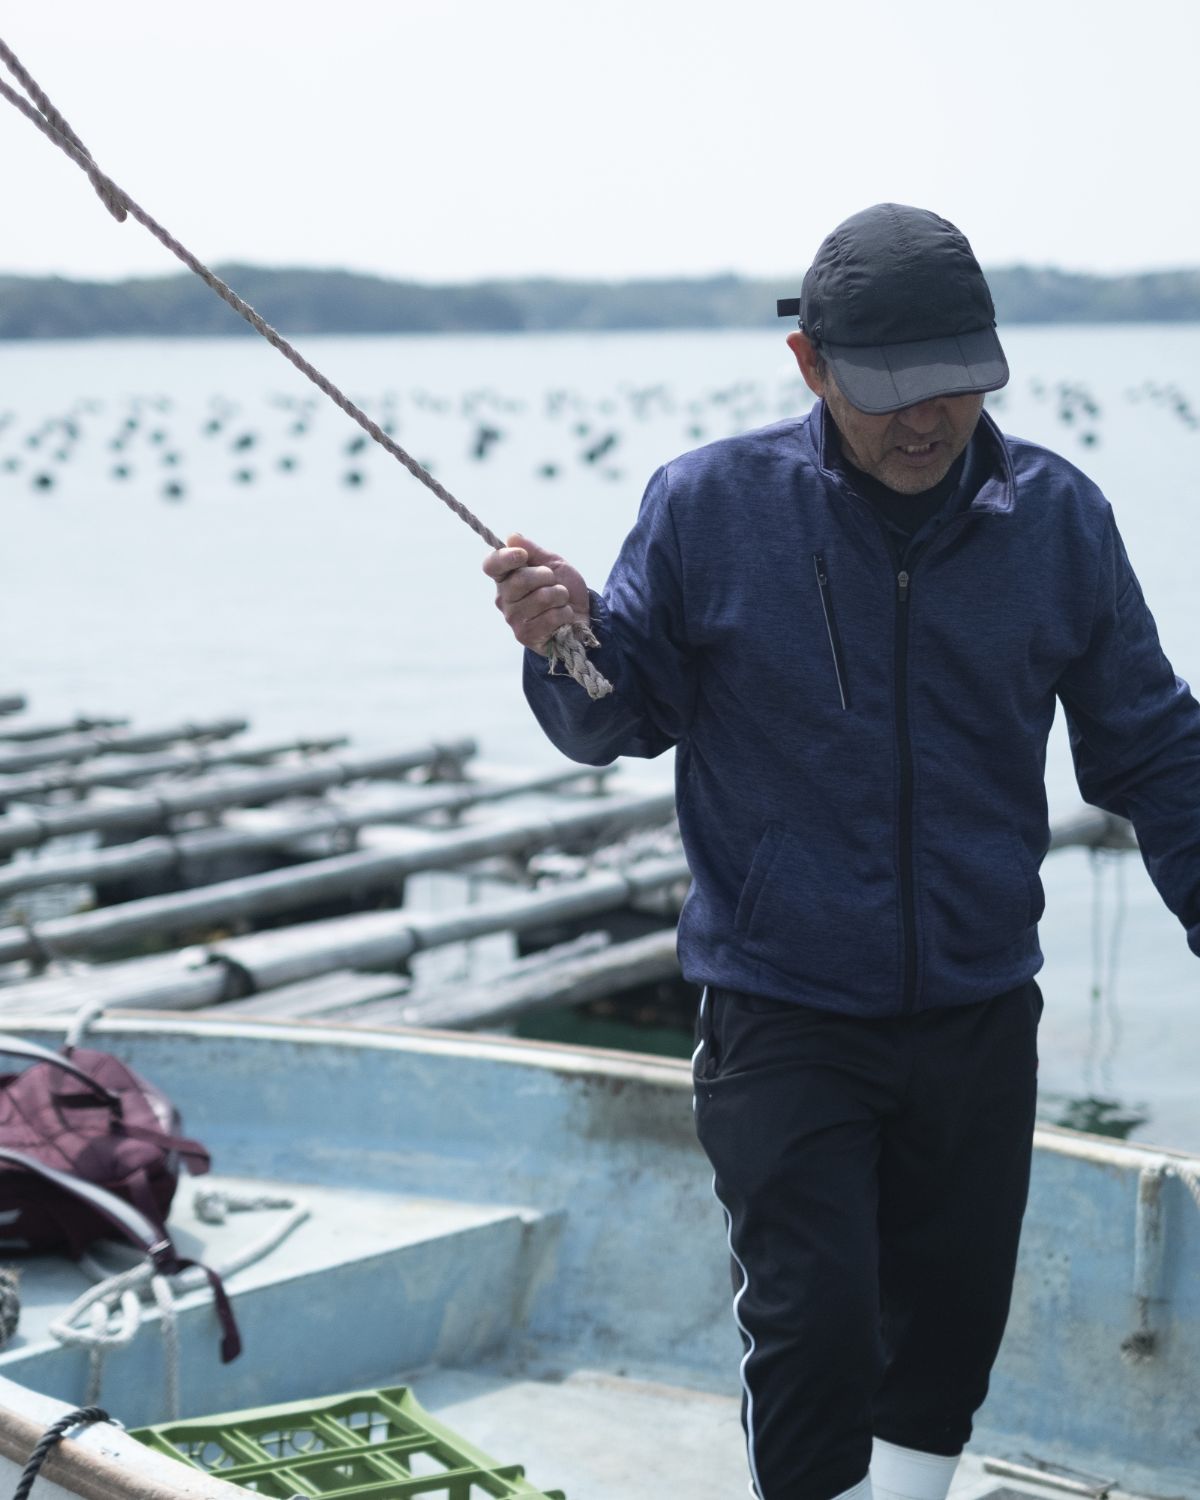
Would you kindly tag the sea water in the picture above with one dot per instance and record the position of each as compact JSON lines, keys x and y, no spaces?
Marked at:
{"x":192,"y":531}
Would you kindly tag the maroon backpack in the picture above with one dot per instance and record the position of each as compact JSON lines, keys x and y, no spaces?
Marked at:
{"x":82,"y":1137}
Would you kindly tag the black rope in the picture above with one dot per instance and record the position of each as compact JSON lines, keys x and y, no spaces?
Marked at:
{"x":84,"y":1417}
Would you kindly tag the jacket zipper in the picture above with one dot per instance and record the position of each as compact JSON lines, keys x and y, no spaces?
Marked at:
{"x":835,"y":642}
{"x":908,"y":905}
{"x":904,"y":561}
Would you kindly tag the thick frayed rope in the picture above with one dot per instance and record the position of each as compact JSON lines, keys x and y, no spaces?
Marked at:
{"x":568,"y":646}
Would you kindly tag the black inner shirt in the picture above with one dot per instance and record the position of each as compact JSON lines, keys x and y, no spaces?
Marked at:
{"x":903,"y":515}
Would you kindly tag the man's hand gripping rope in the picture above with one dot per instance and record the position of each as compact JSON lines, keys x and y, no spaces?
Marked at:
{"x":544,"y":600}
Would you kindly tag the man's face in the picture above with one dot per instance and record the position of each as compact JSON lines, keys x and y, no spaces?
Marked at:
{"x":909,"y":450}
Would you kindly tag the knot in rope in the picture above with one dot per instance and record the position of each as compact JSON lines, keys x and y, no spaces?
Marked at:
{"x":108,"y":1315}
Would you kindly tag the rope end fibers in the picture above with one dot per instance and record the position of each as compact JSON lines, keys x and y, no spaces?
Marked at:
{"x":569,"y":647}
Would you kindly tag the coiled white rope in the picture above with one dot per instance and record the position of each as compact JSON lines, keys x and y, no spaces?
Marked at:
{"x":114,"y":1308}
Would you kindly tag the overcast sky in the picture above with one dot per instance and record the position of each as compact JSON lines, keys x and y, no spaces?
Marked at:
{"x":454,"y":139}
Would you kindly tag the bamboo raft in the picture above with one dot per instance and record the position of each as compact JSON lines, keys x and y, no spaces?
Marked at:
{"x":188,"y":867}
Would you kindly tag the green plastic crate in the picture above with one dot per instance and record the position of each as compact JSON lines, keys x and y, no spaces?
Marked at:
{"x":377,"y":1445}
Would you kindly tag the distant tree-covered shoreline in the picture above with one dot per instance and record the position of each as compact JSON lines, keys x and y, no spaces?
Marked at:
{"x":300,"y":301}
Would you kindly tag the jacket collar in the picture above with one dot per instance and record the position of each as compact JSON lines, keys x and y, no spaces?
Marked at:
{"x":996,"y":489}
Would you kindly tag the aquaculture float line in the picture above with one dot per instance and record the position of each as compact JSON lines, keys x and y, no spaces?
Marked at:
{"x":568,"y":645}
{"x":161,"y":854}
{"x":156,"y":807}
{"x":327,"y":878}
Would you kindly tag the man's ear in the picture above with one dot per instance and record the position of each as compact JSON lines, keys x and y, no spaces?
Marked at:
{"x":812,"y":367}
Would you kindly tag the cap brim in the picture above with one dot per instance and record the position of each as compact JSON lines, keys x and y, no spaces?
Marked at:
{"x":890,"y":376}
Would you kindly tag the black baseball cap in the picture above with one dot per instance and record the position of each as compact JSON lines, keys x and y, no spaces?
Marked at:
{"x":898,"y":306}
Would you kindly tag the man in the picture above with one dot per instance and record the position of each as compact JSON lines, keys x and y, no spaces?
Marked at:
{"x":854,"y":628}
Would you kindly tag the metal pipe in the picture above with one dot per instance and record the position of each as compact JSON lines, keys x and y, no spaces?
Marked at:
{"x":26,"y":829}
{"x":322,"y":879}
{"x":262,"y":961}
{"x":77,"y":747}
{"x":128,"y":771}
{"x":159,"y":854}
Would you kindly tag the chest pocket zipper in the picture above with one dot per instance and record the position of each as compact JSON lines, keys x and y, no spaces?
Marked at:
{"x":835,"y":642}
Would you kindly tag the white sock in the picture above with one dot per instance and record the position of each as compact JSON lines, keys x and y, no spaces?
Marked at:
{"x":860,"y":1491}
{"x":907,"y":1474}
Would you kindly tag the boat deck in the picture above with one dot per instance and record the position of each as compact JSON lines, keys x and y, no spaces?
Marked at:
{"x":568,"y":1310}
{"x":343,"y":1227}
{"x":370,"y":1279}
{"x":433,"y":1278}
{"x":597,"y":1435}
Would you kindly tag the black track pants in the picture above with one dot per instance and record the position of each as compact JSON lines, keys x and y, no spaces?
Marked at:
{"x":873,"y":1176}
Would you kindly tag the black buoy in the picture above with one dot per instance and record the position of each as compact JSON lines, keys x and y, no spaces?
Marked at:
{"x":173,"y":490}
{"x":485,"y":437}
{"x":43,"y":481}
{"x":597,"y":451}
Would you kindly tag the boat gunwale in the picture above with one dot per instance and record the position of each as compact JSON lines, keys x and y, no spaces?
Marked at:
{"x":558,"y":1057}
{"x":101,"y":1462}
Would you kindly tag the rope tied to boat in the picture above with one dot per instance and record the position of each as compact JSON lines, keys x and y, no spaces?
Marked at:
{"x":109,"y":1314}
{"x":569,"y":645}
{"x":85,"y":1416}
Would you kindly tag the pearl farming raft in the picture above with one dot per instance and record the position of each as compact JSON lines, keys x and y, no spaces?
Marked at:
{"x":191,"y":867}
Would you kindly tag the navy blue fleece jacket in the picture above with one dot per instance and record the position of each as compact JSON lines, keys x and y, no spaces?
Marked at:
{"x":861,"y":741}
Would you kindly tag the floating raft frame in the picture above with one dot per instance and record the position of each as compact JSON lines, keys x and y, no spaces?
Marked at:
{"x":195,"y":868}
